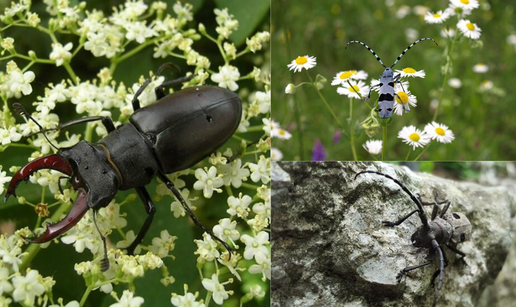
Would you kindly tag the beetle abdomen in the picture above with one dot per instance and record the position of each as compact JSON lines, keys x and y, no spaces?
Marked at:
{"x":189,"y":125}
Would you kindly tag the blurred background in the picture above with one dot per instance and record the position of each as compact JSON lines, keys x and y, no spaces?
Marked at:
{"x":476,"y":106}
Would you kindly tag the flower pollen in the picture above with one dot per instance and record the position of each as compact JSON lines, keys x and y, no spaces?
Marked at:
{"x":402,"y":98}
{"x":410,"y":70}
{"x":354,"y":89}
{"x":470,"y":26}
{"x":414,"y":137}
{"x":301,"y":60}
{"x":347,"y":74}
{"x":440,"y":131}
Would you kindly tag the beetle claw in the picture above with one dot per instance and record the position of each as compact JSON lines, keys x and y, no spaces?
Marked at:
{"x":78,"y":210}
{"x":55,"y":162}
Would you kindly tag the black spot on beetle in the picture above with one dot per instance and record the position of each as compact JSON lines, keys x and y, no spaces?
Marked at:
{"x":209,"y":119}
{"x":455,"y":215}
{"x":462,"y":237}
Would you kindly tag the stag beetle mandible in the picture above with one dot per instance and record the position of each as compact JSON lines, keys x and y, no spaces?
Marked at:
{"x":176,"y":132}
{"x":446,"y":229}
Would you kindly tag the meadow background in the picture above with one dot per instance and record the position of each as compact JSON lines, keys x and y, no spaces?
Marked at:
{"x":482,"y":120}
{"x":58,"y":260}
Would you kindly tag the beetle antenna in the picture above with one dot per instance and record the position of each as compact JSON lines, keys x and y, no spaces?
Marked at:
{"x":421,"y":213}
{"x":18,"y":108}
{"x":104,"y":263}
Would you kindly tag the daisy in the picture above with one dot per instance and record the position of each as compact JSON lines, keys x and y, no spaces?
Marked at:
{"x":342,"y":76}
{"x":374,"y":147}
{"x":411,"y":72}
{"x":301,"y":62}
{"x":455,"y":83}
{"x":465,"y":4}
{"x":290,"y":89}
{"x":469,"y":29}
{"x":439,"y":132}
{"x":281,"y":133}
{"x":351,"y":91}
{"x":438,"y":17}
{"x":480,"y":68}
{"x":403,"y":102}
{"x":414,"y":137}
{"x":276,"y":154}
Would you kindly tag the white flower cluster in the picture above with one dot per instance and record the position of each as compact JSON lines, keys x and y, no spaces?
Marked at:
{"x":460,"y":8}
{"x":129,"y":29}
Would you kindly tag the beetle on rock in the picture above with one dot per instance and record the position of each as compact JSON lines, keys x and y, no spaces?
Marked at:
{"x":446,"y":229}
{"x":176,"y":132}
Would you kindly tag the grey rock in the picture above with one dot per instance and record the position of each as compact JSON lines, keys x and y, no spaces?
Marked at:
{"x":331,"y":249}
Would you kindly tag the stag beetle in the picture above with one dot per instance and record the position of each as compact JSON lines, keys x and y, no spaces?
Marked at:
{"x":176,"y":132}
{"x":446,"y":229}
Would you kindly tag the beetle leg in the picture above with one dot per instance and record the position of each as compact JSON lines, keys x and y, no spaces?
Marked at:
{"x":104,"y":264}
{"x":196,"y":221}
{"x":392,"y":224}
{"x":408,"y":269}
{"x":442,"y":257}
{"x":455,"y":250}
{"x":150,"y":209}
{"x":55,"y":162}
{"x":73,"y":217}
{"x":160,"y":93}
{"x":445,"y":209}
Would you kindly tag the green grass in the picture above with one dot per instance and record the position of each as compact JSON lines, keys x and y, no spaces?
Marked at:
{"x":482,"y":122}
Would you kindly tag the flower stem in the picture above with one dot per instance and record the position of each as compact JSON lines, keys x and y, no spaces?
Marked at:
{"x":384,"y":141}
{"x":85,"y":296}
{"x":327,"y":105}
{"x":408,"y":155}
{"x":424,"y":150}
{"x":445,"y":79}
{"x":299,"y":129}
{"x":351,"y":130}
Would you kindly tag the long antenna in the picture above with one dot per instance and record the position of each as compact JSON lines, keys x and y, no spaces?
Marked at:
{"x":421,"y":213}
{"x":18,"y":108}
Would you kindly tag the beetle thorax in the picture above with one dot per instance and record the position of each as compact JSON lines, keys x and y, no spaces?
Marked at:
{"x":438,"y":229}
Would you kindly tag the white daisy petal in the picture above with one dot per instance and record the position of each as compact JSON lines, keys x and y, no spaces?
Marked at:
{"x":414,"y":137}
{"x":469,"y":29}
{"x":301,"y":62}
{"x":439,"y":132}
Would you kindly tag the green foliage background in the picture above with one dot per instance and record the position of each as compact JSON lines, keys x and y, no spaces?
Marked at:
{"x":58,"y":260}
{"x":483,"y":124}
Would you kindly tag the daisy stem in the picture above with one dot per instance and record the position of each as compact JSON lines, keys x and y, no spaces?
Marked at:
{"x":299,"y":129}
{"x":408,"y":155}
{"x":445,"y":79}
{"x":327,"y":105}
{"x":351,"y":130}
{"x":85,"y":295}
{"x":424,"y":150}
{"x":384,"y":141}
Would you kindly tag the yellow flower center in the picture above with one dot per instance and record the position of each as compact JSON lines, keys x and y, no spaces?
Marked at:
{"x":439,"y":131}
{"x":409,"y":70}
{"x":347,"y":74}
{"x":437,"y":15}
{"x":470,"y":26}
{"x":301,"y":60}
{"x":414,"y":137}
{"x":354,"y":89}
{"x":465,"y":1}
{"x":281,"y":131}
{"x":402,"y":98}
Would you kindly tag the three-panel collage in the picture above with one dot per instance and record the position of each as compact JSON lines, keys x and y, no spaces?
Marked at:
{"x":265,"y":153}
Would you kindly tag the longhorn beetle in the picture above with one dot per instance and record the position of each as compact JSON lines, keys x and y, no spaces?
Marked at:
{"x":173,"y":134}
{"x":446,"y":229}
{"x":387,"y":80}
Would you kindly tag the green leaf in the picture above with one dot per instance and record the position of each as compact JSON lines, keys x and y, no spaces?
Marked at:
{"x":248,"y":14}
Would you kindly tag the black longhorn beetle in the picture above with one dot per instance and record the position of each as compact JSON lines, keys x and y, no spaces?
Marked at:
{"x":174,"y":133}
{"x":446,"y":229}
